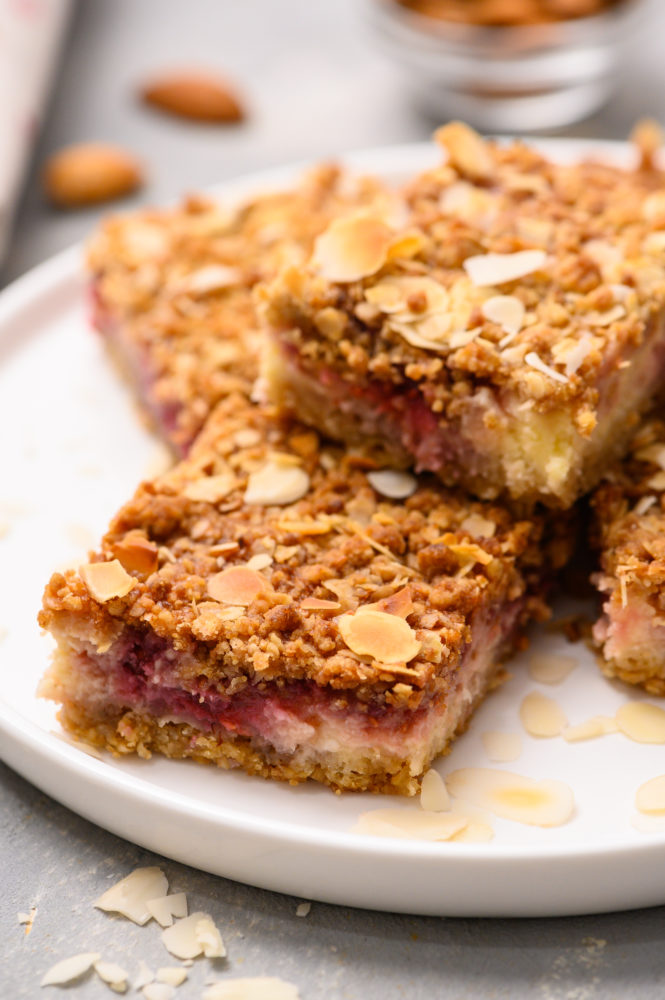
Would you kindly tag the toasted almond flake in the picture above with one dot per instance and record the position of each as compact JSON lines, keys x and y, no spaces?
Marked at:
{"x":433,"y":793}
{"x":237,"y":585}
{"x":210,"y":938}
{"x":500,"y":268}
{"x":605,"y":318}
{"x":469,"y":552}
{"x":322,"y":526}
{"x":551,"y":668}
{"x":397,"y":294}
{"x":657,"y":482}
{"x":467,"y":151}
{"x":534,"y":361}
{"x":590,"y":729}
{"x":106,"y":580}
{"x":650,"y":797}
{"x":478,"y":526}
{"x":399,"y":603}
{"x":130,"y":895}
{"x":410,"y":824}
{"x":642,"y":722}
{"x":505,"y":310}
{"x":576,"y":355}
{"x":406,"y":245}
{"x":158,"y":991}
{"x":137,"y":553}
{"x":247,"y":437}
{"x":113,"y":974}
{"x":174,"y":975}
{"x":69,"y":969}
{"x":319,"y":604}
{"x":643,"y":505}
{"x":211,"y":278}
{"x":144,"y":976}
{"x":260,"y":561}
{"x":654,"y":453}
{"x":302,"y":909}
{"x":514,"y":796}
{"x":384,"y":637}
{"x":185,"y":939}
{"x":502,"y":747}
{"x":210,"y":489}
{"x":164,"y":909}
{"x":352,"y":248}
{"x":393,"y":483}
{"x":276,"y":484}
{"x":542,"y":716}
{"x":258,"y":988}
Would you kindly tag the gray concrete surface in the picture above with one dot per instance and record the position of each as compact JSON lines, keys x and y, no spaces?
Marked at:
{"x":315,"y":86}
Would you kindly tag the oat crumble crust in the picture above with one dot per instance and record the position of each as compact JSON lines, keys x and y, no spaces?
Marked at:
{"x":342,"y":542}
{"x":629,"y":532}
{"x":172,"y":289}
{"x":596,"y":299}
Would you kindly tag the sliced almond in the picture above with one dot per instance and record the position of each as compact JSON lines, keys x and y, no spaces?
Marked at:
{"x":642,"y":722}
{"x":189,"y":937}
{"x":277,"y":484}
{"x":210,"y":489}
{"x":590,"y":729}
{"x":106,"y":580}
{"x":513,"y":796}
{"x":502,"y":747}
{"x":194,"y":95}
{"x":505,"y":310}
{"x":69,"y":969}
{"x":319,"y":604}
{"x":605,"y":318}
{"x":164,"y":909}
{"x":550,"y":668}
{"x":643,"y":505}
{"x":542,"y":716}
{"x":410,"y":824}
{"x":259,"y":988}
{"x":130,"y":895}
{"x":399,"y":603}
{"x":352,"y":248}
{"x":386,"y":638}
{"x":260,"y":561}
{"x":650,"y":796}
{"x":113,"y":974}
{"x":174,"y":975}
{"x":393,"y":483}
{"x":407,"y":296}
{"x":535,"y":361}
{"x":478,"y":526}
{"x":90,"y":173}
{"x":468,"y":552}
{"x":500,"y":268}
{"x":237,"y":585}
{"x":212,"y":278}
{"x":158,"y":991}
{"x":433,"y":793}
{"x":467,"y":151}
{"x":137,"y":553}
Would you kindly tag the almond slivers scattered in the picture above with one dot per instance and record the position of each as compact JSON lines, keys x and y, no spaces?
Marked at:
{"x":106,"y":580}
{"x":650,"y":796}
{"x":258,"y":988}
{"x":195,"y":935}
{"x":542,"y":716}
{"x":69,"y":969}
{"x":385,"y":637}
{"x":164,"y":909}
{"x":505,"y":310}
{"x":590,"y":729}
{"x":352,"y":248}
{"x":277,"y":484}
{"x":210,"y":489}
{"x":642,"y":722}
{"x":319,"y":604}
{"x":467,"y":151}
{"x":549,"y":668}
{"x":112,"y":974}
{"x":410,"y":824}
{"x":500,"y":268}
{"x":514,"y":796}
{"x":433,"y":793}
{"x":130,"y":895}
{"x":392,"y":483}
{"x":237,"y":585}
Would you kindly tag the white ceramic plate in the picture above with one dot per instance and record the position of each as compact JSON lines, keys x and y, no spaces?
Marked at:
{"x":73,"y":451}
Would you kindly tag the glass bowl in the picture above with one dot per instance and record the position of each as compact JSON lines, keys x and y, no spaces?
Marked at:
{"x":513,"y":79}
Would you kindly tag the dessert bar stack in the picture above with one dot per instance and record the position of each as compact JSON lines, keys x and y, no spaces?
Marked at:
{"x":385,"y":408}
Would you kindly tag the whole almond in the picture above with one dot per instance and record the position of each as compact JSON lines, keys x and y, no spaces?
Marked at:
{"x":89,"y":173}
{"x":198,"y":96}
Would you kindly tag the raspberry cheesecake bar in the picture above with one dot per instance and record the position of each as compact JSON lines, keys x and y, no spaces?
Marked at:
{"x":629,"y":530}
{"x":172,"y":290}
{"x":505,"y":338}
{"x":275,"y":604}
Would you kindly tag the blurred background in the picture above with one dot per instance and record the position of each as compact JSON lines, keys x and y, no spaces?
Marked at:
{"x":312,"y":79}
